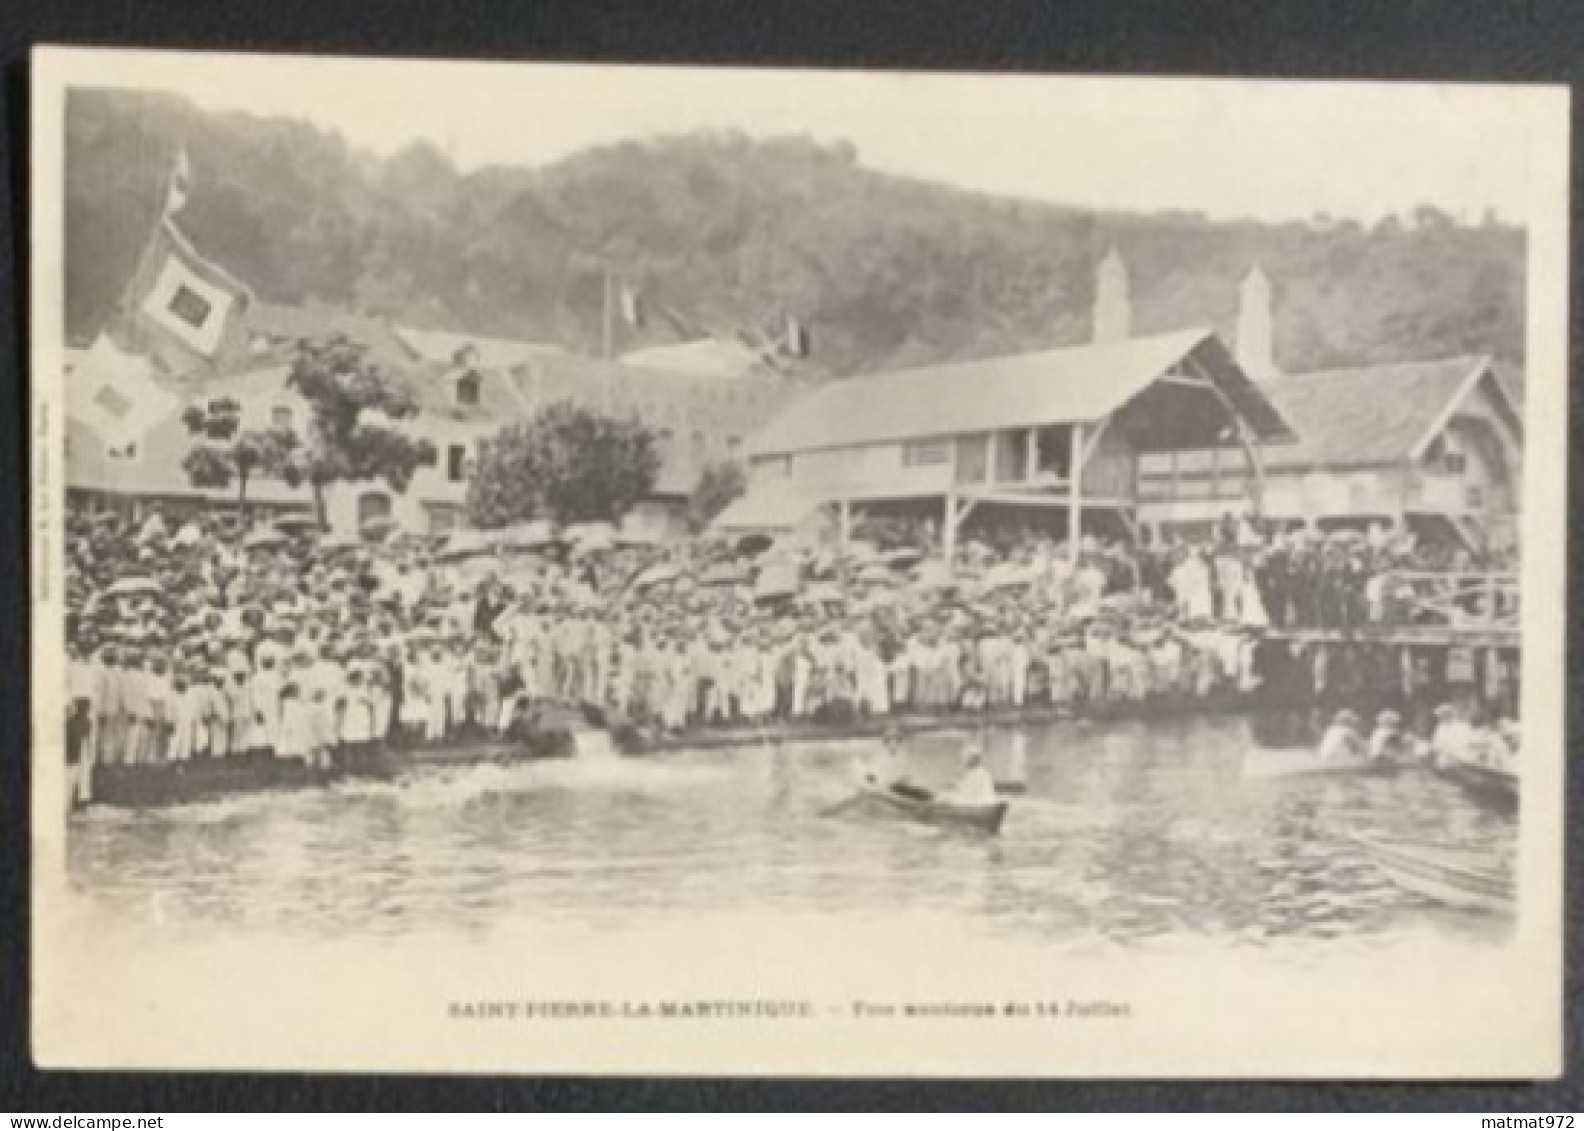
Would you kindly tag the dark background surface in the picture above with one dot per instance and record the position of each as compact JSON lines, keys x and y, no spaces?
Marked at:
{"x":1470,"y":40}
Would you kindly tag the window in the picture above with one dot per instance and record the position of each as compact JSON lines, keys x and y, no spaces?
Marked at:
{"x":973,"y":457}
{"x":1055,"y":451}
{"x":1155,"y":465}
{"x":281,"y":418}
{"x":467,"y":390}
{"x":1012,"y":456}
{"x":1474,"y":498}
{"x":926,"y":453}
{"x":112,"y":401}
{"x":733,"y":443}
{"x":1232,"y":461}
{"x":190,"y":306}
{"x":456,"y":463}
{"x":443,"y":519}
{"x":372,"y":505}
{"x":1441,"y":458}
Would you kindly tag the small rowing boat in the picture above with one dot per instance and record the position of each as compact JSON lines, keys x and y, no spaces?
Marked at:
{"x":889,"y":804}
{"x":1456,"y":877}
{"x":1491,"y":787}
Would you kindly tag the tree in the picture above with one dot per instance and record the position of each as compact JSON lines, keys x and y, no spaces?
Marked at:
{"x":568,"y":463}
{"x":223,"y":453}
{"x":718,"y":487}
{"x":353,"y":410}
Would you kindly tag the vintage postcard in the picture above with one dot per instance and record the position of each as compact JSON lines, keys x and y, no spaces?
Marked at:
{"x":560,"y":569}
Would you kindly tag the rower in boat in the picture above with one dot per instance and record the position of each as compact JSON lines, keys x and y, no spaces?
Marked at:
{"x":1342,"y":742}
{"x":1452,"y":741}
{"x":1014,"y":776}
{"x":976,"y":786}
{"x":1388,"y":744}
{"x":889,"y":771}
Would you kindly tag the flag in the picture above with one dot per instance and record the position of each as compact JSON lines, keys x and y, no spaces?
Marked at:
{"x":179,"y":301}
{"x":178,"y":306}
{"x":796,"y":340}
{"x":177,"y":188}
{"x":632,"y":307}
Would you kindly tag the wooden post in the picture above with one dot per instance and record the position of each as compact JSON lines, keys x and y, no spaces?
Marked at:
{"x":1240,"y":432}
{"x":844,"y":521}
{"x":610,"y":316}
{"x":949,"y":529}
{"x":1075,"y":495}
{"x":1031,"y":460}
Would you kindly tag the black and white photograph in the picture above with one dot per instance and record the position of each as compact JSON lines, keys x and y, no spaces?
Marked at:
{"x":556,"y":568}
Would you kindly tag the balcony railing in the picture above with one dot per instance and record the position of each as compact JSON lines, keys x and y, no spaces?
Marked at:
{"x":1454,"y":600}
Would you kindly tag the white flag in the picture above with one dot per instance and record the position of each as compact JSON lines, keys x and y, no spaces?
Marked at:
{"x":632,"y":307}
{"x":797,"y":337}
{"x":177,"y":188}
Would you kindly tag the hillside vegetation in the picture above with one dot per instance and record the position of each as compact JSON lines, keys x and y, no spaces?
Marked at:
{"x":726,"y":230}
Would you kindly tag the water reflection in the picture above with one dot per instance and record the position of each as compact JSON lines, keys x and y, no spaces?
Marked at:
{"x":1128,"y":835}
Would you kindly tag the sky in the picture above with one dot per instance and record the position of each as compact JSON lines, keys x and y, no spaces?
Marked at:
{"x":1267,"y":150}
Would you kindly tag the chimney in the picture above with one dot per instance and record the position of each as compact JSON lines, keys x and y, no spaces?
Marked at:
{"x":1112,"y":311}
{"x":1255,"y":348}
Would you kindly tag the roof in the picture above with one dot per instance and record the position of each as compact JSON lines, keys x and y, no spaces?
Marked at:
{"x":318,"y":321}
{"x":707,"y":357}
{"x":446,"y":345}
{"x":775,"y":507}
{"x":1374,"y":415}
{"x":157,"y":470}
{"x":678,"y":403}
{"x":434,"y":389}
{"x":1078,"y":383}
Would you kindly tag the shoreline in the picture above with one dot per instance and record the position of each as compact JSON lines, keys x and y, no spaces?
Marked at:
{"x":161,"y":784}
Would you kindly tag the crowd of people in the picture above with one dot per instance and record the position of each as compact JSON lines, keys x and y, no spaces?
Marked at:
{"x":190,"y":636}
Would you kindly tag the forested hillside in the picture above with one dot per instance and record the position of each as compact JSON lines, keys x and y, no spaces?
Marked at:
{"x":726,"y":230}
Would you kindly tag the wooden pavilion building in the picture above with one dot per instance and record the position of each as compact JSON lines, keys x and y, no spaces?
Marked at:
{"x":1057,"y":435}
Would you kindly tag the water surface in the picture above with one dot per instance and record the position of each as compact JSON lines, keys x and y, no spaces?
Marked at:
{"x":1131,"y":835}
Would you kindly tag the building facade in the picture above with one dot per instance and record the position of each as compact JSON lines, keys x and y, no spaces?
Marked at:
{"x":189,"y":333}
{"x":1434,"y":446}
{"x":1057,"y":437}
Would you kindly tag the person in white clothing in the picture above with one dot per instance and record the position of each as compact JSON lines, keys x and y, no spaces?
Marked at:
{"x":976,"y":786}
{"x":1453,"y":737}
{"x":1342,"y":743}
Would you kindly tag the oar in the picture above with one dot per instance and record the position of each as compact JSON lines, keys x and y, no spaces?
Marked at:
{"x":839,"y":808}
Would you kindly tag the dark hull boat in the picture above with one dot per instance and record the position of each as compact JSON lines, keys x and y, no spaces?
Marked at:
{"x":1487,"y":786}
{"x":890,"y":805}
